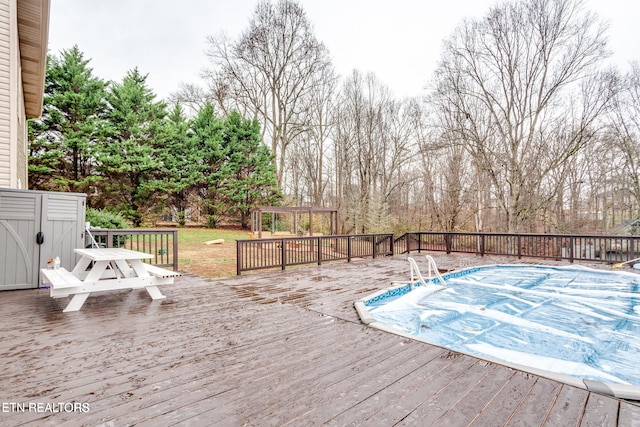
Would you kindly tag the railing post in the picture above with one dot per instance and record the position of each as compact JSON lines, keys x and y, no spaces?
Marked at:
{"x":373,"y":248}
{"x":283,"y":253}
{"x":571,"y":248}
{"x":175,"y":250}
{"x":419,"y":234}
{"x":238,"y":258}
{"x":319,"y":239}
{"x":482,"y":244}
{"x":348,"y":248}
{"x":519,"y":242}
{"x":391,"y":247}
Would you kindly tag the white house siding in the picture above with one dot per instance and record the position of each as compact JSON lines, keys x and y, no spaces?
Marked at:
{"x":5,"y":115}
{"x":22,"y":155}
{"x":13,"y":151}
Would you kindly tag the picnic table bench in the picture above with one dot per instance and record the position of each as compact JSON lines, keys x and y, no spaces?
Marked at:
{"x":106,"y":270}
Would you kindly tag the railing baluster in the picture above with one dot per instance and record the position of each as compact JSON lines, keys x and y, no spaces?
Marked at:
{"x":141,"y":240}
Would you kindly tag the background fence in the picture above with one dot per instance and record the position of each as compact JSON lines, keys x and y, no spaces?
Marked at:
{"x":548,"y":246}
{"x":162,"y":244}
{"x":259,"y":254}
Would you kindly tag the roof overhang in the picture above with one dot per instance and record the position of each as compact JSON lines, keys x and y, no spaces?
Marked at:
{"x":33,"y":34}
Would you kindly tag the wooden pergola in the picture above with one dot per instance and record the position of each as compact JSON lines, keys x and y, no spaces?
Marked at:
{"x":294,"y":212}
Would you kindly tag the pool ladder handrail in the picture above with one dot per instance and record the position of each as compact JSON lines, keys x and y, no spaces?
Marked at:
{"x":415,"y":271}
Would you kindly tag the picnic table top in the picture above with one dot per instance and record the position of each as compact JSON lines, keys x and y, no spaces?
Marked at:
{"x":106,"y":254}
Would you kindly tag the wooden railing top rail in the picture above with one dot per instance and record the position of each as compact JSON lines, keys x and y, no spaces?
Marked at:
{"x":134,"y":231}
{"x":318,"y":236}
{"x":475,"y":233}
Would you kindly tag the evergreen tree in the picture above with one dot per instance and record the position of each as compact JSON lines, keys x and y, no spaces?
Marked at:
{"x":117,"y":144}
{"x":128,"y":158}
{"x":206,"y":137}
{"x":247,"y":178}
{"x":182,"y":163}
{"x":61,"y":143}
{"x":237,"y":168}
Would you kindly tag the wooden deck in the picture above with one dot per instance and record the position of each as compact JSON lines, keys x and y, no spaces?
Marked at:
{"x":281,"y":348}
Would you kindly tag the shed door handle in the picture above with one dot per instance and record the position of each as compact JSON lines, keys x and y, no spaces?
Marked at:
{"x":40,"y":238}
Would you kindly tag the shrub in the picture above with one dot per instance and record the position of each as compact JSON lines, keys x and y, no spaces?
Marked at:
{"x":182,"y":218}
{"x":110,"y":220}
{"x":212,"y":221}
{"x":106,"y":219}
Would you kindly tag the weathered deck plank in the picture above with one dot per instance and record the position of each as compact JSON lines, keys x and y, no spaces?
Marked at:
{"x":371,"y":383}
{"x":283,"y":348}
{"x":628,"y":415}
{"x":542,"y":395}
{"x":505,"y":403}
{"x":600,"y":411}
{"x":568,"y":408}
{"x":466,"y":409}
{"x":461,"y":381}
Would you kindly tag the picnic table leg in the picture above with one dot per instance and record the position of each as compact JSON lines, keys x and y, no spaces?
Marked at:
{"x":81,"y":267}
{"x":138,"y":268}
{"x":124,"y":268}
{"x":76,"y":302}
{"x":154,"y":292}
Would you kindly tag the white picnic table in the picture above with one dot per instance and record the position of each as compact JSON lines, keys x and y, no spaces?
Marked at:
{"x":106,"y":269}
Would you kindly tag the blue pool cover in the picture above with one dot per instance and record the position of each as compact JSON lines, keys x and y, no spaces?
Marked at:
{"x":574,"y":321}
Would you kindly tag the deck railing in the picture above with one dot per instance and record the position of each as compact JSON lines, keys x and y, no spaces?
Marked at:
{"x":259,"y":254}
{"x":162,"y":244}
{"x":548,"y":246}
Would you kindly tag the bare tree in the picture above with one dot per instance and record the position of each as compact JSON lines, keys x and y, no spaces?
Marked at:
{"x":270,"y":72}
{"x":309,"y":153}
{"x":447,"y":176}
{"x":509,"y":82}
{"x":353,"y":139}
{"x":190,"y":96}
{"x":373,"y":145}
{"x":625,"y":136}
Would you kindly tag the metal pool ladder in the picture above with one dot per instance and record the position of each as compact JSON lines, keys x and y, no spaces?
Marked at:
{"x":415,"y":271}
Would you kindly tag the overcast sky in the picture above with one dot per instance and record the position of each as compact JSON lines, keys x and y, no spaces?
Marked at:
{"x":398,"y":40}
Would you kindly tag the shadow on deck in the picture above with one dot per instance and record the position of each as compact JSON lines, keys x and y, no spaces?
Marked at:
{"x":283,"y":348}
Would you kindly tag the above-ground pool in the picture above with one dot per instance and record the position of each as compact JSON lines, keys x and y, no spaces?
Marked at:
{"x":575,"y":324}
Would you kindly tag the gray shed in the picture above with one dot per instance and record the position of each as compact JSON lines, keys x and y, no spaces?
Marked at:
{"x":34,"y":227}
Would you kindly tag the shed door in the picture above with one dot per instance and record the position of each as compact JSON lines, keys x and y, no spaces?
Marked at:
{"x":62,"y":228}
{"x":20,"y":215}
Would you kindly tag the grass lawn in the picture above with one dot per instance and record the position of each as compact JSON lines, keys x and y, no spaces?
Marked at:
{"x":194,"y":256}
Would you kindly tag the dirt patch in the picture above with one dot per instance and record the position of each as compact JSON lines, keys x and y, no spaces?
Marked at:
{"x":208,"y":260}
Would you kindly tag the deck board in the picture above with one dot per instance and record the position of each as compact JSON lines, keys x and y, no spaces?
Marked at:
{"x":504,"y":404}
{"x":568,"y":408}
{"x":543,"y":394}
{"x":275,"y":348}
{"x":628,"y":415}
{"x":465,"y":411}
{"x":601,"y":411}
